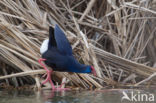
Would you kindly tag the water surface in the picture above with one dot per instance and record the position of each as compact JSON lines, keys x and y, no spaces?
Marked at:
{"x":47,"y":96}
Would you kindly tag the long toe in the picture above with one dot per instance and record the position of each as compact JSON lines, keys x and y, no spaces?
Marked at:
{"x":48,"y":77}
{"x":60,"y":88}
{"x":46,"y":80}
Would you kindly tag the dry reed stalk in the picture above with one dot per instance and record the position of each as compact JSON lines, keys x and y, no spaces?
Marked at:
{"x":32,"y":72}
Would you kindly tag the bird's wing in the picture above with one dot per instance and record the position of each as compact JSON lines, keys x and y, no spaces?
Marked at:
{"x":62,"y":42}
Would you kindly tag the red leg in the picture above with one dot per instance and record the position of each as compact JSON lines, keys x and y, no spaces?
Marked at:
{"x":49,"y":72}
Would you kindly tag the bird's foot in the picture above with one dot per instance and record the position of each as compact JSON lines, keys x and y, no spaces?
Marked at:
{"x":48,"y":78}
{"x":61,"y":88}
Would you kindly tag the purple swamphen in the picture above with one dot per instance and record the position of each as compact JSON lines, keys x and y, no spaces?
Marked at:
{"x":57,"y":54}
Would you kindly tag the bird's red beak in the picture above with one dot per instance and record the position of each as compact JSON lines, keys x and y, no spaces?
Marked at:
{"x":93,"y":71}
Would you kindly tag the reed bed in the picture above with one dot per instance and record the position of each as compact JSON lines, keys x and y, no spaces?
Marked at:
{"x":117,"y":37}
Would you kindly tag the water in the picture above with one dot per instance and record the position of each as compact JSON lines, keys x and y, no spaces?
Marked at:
{"x":47,"y":96}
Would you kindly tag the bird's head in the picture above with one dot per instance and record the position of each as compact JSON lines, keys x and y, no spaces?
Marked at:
{"x":91,"y":69}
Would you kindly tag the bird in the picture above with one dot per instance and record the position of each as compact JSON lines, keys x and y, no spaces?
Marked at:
{"x":57,"y":53}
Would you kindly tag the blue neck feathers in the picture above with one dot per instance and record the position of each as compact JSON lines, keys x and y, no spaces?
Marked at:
{"x":76,"y":67}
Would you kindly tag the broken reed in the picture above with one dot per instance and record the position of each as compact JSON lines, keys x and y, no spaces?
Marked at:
{"x":117,"y":38}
